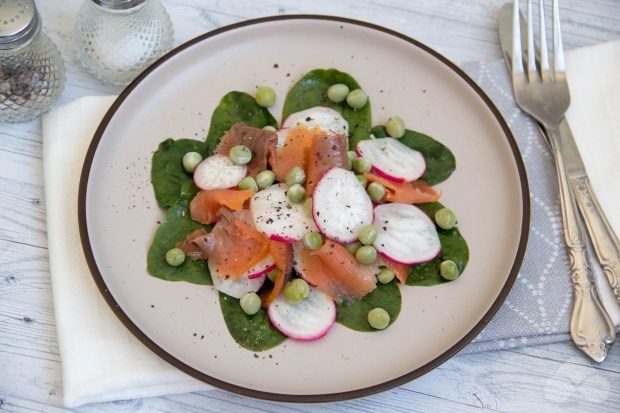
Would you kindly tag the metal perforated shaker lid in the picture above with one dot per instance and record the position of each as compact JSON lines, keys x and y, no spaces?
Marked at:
{"x":118,"y":4}
{"x":19,"y":21}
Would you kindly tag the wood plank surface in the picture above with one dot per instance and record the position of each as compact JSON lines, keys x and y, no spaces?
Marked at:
{"x":548,"y":378}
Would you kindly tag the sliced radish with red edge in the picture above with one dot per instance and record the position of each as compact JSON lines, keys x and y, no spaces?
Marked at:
{"x":392,"y":159}
{"x":277,"y":217}
{"x":326,"y":119}
{"x":308,"y":320}
{"x":405,"y":234}
{"x":236,"y":287}
{"x":340,"y":205}
{"x":218,"y":172}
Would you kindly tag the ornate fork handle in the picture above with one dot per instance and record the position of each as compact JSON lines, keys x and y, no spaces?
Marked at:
{"x":591,"y":328}
{"x":605,"y":242}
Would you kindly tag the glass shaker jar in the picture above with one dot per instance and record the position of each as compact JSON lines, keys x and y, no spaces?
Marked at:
{"x":32,"y":72}
{"x":118,"y":39}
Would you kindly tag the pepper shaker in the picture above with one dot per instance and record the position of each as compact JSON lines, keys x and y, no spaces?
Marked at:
{"x":32,"y":73}
{"x":117,"y":39}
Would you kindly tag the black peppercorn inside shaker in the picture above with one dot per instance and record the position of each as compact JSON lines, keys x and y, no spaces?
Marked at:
{"x":31,"y":67}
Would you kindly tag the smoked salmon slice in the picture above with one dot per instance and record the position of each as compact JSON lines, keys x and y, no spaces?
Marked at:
{"x":261,"y":142}
{"x":234,"y":245}
{"x":416,"y":192}
{"x":282,"y":254}
{"x":205,"y":205}
{"x":326,"y":152}
{"x":294,"y":152}
{"x":335,"y":271}
{"x":400,"y":270}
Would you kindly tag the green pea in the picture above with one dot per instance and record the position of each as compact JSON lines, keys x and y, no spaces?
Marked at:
{"x":269,"y":128}
{"x":295,"y":175}
{"x":295,"y":193}
{"x":378,"y":318}
{"x":191,"y":161}
{"x":312,"y":240}
{"x":248,"y":183}
{"x":338,"y":92}
{"x":250,"y":303}
{"x":357,"y":99}
{"x":366,"y":254}
{"x":445,"y":218}
{"x":308,"y":206}
{"x":376,"y":191}
{"x":175,"y":257}
{"x":362,"y":179}
{"x":264,"y":179}
{"x":353,"y":247}
{"x":449,"y":270}
{"x":295,"y":291}
{"x":361,"y":165}
{"x":368,"y":234}
{"x":385,"y":276}
{"x":395,"y":127}
{"x":351,"y":156}
{"x":265,"y":96}
{"x":240,"y":155}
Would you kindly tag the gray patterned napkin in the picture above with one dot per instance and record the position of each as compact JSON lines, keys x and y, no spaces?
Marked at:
{"x":538,"y":308}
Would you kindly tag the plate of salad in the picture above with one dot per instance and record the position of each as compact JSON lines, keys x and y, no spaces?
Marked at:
{"x":304,"y":208}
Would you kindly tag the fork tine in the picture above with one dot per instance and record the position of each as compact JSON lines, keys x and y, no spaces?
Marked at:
{"x":558,"y":49}
{"x":544,"y":56}
{"x":517,"y":58}
{"x":531,"y":51}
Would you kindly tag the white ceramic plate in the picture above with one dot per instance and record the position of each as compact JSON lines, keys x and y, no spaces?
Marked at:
{"x":175,"y":98}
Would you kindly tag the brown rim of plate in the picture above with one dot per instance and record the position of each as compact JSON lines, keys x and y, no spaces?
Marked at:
{"x":310,"y":398}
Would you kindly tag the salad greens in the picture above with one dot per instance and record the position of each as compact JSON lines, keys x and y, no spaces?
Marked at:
{"x":174,"y":189}
{"x":254,"y":332}
{"x":311,"y":91}
{"x":175,"y":226}
{"x":236,"y":107}
{"x":453,"y":247}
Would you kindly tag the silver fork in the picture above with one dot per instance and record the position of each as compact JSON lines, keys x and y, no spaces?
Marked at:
{"x":543,"y":93}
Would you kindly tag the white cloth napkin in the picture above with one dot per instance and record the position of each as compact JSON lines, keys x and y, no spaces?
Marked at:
{"x":594,"y":117}
{"x":101,"y":360}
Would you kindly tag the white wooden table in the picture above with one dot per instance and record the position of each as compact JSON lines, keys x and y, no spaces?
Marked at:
{"x":545,"y":378}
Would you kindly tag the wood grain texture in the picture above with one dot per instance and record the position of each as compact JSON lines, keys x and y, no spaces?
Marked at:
{"x":548,"y":378}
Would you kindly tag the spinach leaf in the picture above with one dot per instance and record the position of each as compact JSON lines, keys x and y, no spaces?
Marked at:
{"x":167,"y":172}
{"x":311,"y":91}
{"x":440,"y":161}
{"x":453,"y":247}
{"x":253,"y":332}
{"x":176,"y":225}
{"x":355,"y":314}
{"x":236,"y":107}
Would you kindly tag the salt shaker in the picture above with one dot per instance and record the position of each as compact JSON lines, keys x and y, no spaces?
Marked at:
{"x":32,"y":73}
{"x":118,"y":39}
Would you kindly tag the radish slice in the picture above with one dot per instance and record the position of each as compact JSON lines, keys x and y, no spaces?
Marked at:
{"x":218,"y":172}
{"x":277,"y":217}
{"x":392,"y":160}
{"x":236,"y":287}
{"x":308,"y":320}
{"x":326,"y":119}
{"x":340,"y":205}
{"x":405,"y":234}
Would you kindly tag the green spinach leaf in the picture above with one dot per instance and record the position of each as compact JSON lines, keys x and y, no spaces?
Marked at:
{"x":355,"y":314}
{"x":167,"y":172}
{"x":311,"y":91}
{"x":253,"y":332}
{"x":453,"y":247}
{"x":236,"y":107}
{"x":176,"y":225}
